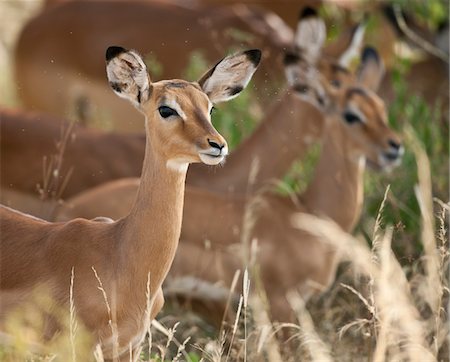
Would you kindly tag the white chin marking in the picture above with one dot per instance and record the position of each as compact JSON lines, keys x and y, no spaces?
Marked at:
{"x":210,"y":160}
{"x":177,"y":165}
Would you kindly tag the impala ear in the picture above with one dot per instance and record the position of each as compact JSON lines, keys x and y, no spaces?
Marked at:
{"x":356,"y":40}
{"x":310,"y":35}
{"x":127,"y":75}
{"x":230,"y":76}
{"x":371,"y":70}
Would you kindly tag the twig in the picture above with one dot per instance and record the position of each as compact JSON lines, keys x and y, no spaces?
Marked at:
{"x":424,"y":44}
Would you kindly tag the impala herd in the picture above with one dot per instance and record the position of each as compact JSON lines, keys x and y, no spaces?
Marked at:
{"x":128,"y":193}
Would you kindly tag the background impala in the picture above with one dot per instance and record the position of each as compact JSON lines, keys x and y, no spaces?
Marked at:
{"x":355,"y":319}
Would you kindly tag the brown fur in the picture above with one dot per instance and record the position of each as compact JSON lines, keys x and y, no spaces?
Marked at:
{"x":95,"y":156}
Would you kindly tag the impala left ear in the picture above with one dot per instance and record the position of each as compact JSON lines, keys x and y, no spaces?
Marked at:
{"x":230,"y":76}
{"x":371,"y":70}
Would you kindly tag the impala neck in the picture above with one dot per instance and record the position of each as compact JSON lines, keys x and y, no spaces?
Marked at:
{"x":283,"y":136}
{"x":151,"y":231}
{"x":336,"y":190}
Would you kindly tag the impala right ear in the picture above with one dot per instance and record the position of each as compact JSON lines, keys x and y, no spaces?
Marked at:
{"x":127,"y":75}
{"x":230,"y":76}
{"x":310,"y":35}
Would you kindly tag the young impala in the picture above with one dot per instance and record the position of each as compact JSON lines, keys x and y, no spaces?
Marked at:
{"x":140,"y":247}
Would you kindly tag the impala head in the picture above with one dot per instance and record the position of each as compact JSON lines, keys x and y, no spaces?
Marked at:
{"x":313,"y":76}
{"x":177,"y":112}
{"x":365,"y":117}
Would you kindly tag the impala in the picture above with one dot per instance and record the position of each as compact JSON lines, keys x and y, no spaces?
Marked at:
{"x":140,"y":247}
{"x":356,"y":133}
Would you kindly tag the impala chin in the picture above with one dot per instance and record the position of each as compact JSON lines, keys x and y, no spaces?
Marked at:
{"x":213,"y":155}
{"x":211,"y":159}
{"x":385,"y":162}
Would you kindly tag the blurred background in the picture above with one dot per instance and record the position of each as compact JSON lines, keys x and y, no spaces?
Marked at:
{"x":51,"y":61}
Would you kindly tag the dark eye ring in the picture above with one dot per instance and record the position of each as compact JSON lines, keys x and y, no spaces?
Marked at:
{"x":166,"y":112}
{"x":336,"y":83}
{"x":351,"y":118}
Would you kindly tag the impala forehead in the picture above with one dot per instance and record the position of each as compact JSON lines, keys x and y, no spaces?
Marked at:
{"x":185,"y":97}
{"x":367,"y":103}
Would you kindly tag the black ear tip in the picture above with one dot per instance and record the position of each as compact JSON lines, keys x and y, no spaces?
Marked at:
{"x":114,"y":51}
{"x":307,"y":12}
{"x":254,"y":55}
{"x":370,"y":53}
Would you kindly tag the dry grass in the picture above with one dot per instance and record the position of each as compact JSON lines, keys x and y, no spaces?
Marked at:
{"x":377,"y":310}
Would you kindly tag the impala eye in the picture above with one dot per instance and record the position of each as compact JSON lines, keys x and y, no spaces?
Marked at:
{"x":351,"y":118}
{"x":166,"y":112}
{"x":336,"y":83}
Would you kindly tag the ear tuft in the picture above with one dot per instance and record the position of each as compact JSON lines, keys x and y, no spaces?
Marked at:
{"x":114,"y":51}
{"x":236,"y":90}
{"x":307,"y":12}
{"x":254,"y":55}
{"x":116,"y":86}
{"x":370,"y":54}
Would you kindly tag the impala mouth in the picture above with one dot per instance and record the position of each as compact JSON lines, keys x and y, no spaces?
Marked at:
{"x":386,"y":161}
{"x":213,"y":156}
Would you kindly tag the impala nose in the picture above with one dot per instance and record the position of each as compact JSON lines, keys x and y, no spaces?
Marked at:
{"x":216,"y":145}
{"x":395,"y":152}
{"x":394,"y":144}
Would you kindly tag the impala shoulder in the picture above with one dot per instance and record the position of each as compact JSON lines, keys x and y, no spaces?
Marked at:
{"x":89,"y":229}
